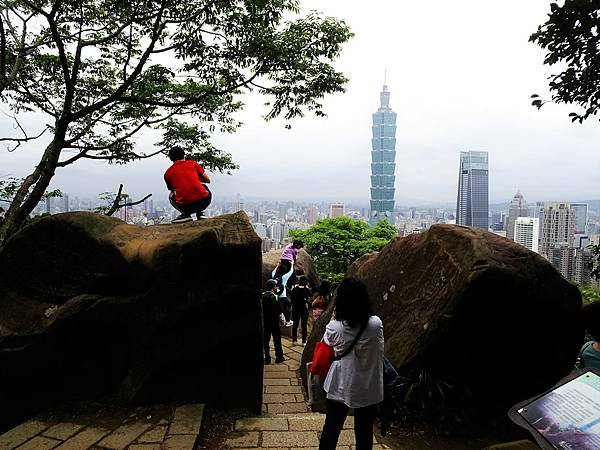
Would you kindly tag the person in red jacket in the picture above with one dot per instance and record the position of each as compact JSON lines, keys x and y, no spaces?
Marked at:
{"x":185,"y":179}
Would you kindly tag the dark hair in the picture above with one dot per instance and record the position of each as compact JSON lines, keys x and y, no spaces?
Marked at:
{"x":591,"y":319}
{"x":352,"y":303}
{"x":302,"y":280}
{"x":271,"y":284}
{"x":324,"y":289}
{"x":176,"y":153}
{"x":298,"y":244}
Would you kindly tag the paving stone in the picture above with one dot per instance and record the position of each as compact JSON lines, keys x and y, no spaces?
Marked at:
{"x":276,"y":367}
{"x":39,"y":443}
{"x":156,"y":434}
{"x":300,"y":398}
{"x":280,"y":374}
{"x":244,"y":439}
{"x":285,"y":408}
{"x":294,"y":382}
{"x":21,"y":433}
{"x":262,"y":424}
{"x":280,"y":398}
{"x":276,"y":382}
{"x":283,"y":390}
{"x":180,"y":442}
{"x":124,"y":435}
{"x":346,"y":437}
{"x":84,"y":439}
{"x":62,"y":431}
{"x":187,"y":419}
{"x":308,"y":423}
{"x":290,"y":439}
{"x":144,"y":447}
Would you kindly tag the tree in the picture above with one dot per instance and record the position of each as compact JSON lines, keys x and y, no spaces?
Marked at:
{"x":336,"y":243}
{"x":103,"y":71}
{"x":571,"y":37}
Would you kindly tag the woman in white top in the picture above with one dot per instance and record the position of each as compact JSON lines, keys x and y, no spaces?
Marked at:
{"x":356,"y":380}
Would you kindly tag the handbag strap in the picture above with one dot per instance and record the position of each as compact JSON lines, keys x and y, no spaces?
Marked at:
{"x":349,"y":349}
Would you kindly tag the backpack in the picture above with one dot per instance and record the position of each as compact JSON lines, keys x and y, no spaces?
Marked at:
{"x":579,"y":364}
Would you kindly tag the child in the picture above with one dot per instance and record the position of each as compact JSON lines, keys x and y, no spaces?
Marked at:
{"x":271,"y":311}
{"x":319,"y":304}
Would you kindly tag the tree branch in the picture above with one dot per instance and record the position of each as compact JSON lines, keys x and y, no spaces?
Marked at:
{"x":116,"y":205}
{"x":156,"y":30}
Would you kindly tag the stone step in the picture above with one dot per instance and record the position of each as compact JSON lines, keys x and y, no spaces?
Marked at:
{"x":177,"y":430}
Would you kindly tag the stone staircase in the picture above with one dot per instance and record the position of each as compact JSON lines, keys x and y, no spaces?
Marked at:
{"x":286,"y":423}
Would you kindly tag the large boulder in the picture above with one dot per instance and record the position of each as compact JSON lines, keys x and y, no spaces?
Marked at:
{"x":93,"y":308}
{"x":304,"y":262}
{"x":482,"y":313}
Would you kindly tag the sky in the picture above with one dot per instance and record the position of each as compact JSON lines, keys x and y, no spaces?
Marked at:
{"x":460,"y":74}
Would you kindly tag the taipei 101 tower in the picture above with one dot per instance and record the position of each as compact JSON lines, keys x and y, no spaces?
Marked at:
{"x":383,"y":161}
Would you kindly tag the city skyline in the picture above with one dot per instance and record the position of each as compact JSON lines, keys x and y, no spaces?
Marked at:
{"x":459,"y":88}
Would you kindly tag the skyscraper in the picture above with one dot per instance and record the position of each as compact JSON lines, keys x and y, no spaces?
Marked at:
{"x":518,"y":208}
{"x":472,"y":199}
{"x":383,"y":157}
{"x":581,"y":217}
{"x":527,"y":232}
{"x":557,"y":226}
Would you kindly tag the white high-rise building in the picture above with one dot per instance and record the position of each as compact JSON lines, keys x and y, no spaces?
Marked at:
{"x":527,"y":232}
{"x":518,"y":208}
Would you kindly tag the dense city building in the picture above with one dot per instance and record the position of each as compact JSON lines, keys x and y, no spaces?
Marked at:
{"x":337,"y":210}
{"x":518,"y":208}
{"x":383,"y":161}
{"x":526,"y":232}
{"x":557,"y":226}
{"x":472,"y":199}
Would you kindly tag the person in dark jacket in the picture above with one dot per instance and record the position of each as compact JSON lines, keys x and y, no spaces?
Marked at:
{"x":271,"y":312}
{"x":300,"y":306}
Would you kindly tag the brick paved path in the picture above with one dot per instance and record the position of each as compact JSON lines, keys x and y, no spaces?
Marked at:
{"x":286,"y":423}
{"x":99,"y":428}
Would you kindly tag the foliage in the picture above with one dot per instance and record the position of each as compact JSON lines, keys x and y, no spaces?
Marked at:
{"x":102,"y":72}
{"x":336,"y":243}
{"x":109,"y":198}
{"x":10,"y":185}
{"x":589,"y":294}
{"x":571,"y":36}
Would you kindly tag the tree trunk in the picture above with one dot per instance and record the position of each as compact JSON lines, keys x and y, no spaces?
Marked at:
{"x":32,"y":189}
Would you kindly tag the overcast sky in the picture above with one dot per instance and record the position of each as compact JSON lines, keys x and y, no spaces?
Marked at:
{"x":460,"y":74}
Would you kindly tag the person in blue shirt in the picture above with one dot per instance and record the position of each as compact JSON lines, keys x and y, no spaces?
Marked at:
{"x":590,"y":352}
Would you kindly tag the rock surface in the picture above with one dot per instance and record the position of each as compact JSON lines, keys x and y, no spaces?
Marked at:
{"x":304,"y":261}
{"x":93,"y":308}
{"x":474,"y":309}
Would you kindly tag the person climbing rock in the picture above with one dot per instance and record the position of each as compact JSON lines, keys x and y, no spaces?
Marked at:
{"x":271,"y":312}
{"x":288,"y":260}
{"x":186,"y":180}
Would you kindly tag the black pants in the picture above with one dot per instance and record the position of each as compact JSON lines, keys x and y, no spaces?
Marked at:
{"x":286,"y":308}
{"x":192,"y":208}
{"x":334,"y":422}
{"x":272,"y":329}
{"x":299,"y":314}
